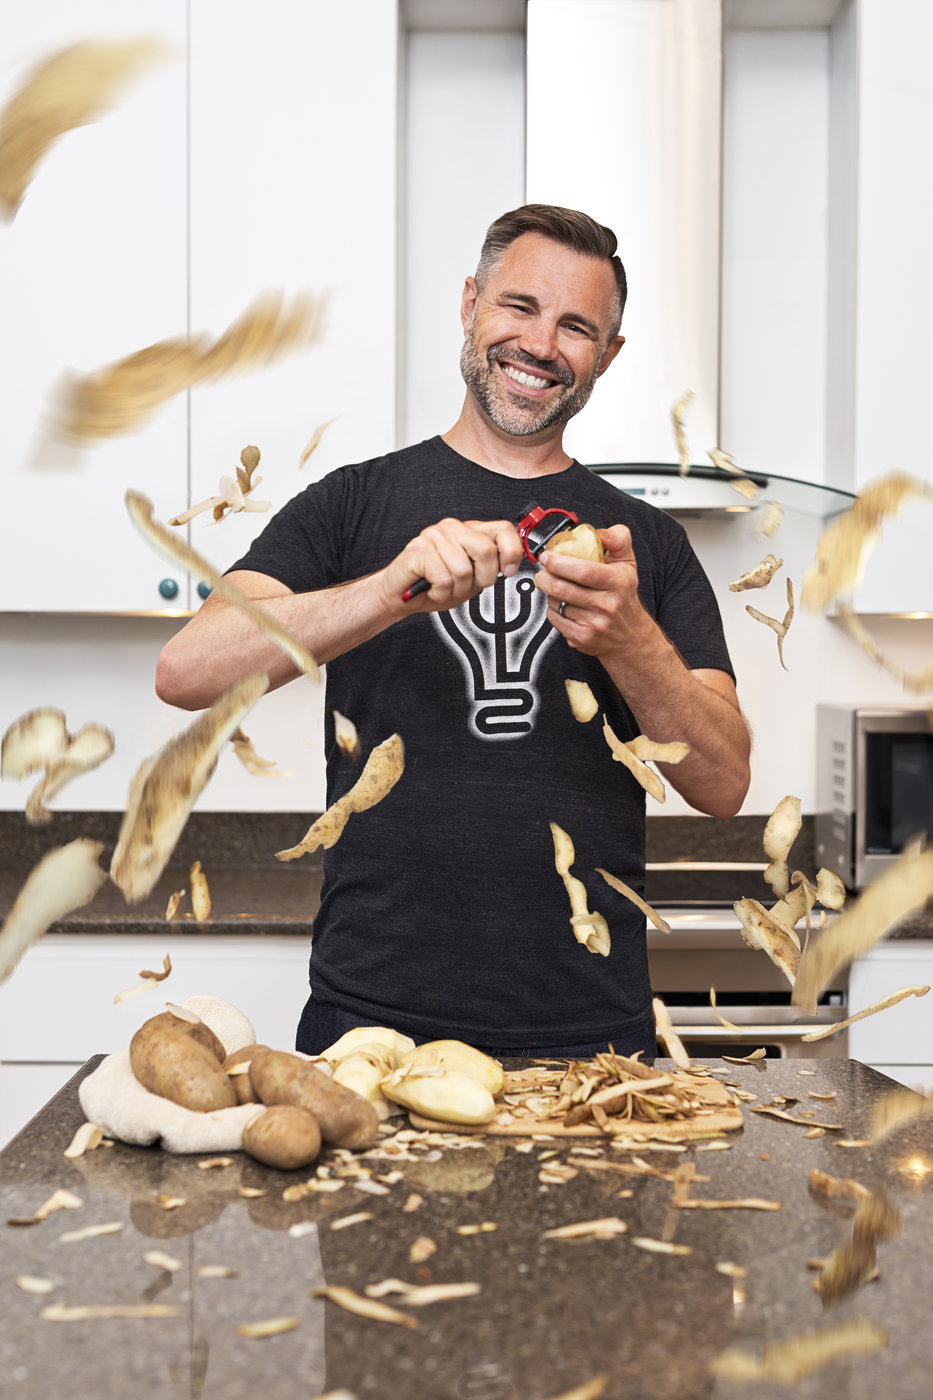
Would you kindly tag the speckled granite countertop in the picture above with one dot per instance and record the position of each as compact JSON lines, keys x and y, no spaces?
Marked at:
{"x":551,"y":1314}
{"x":252,"y":892}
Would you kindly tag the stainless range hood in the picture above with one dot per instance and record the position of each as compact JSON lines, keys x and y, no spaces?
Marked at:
{"x":709,"y":491}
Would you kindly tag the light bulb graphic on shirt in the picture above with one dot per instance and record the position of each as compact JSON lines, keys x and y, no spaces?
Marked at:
{"x":500,"y":637}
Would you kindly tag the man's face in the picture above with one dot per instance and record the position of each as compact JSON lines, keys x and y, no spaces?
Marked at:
{"x":537,"y":335}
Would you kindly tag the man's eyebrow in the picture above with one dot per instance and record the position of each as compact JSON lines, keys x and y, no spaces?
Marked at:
{"x":533,"y":302}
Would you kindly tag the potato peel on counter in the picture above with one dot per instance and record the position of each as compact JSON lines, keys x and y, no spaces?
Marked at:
{"x":65,"y":879}
{"x":381,"y":772}
{"x":852,"y":1264}
{"x":70,"y":88}
{"x":171,"y":547}
{"x":901,"y":890}
{"x":167,"y":785}
{"x":590,"y":929}
{"x":364,"y":1307}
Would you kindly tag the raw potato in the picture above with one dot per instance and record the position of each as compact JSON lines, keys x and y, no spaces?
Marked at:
{"x":449,"y":1097}
{"x":283,"y":1136}
{"x":344,"y":1117}
{"x":242,"y":1084}
{"x":183,"y":1061}
{"x":363,"y":1071}
{"x":396,"y":1043}
{"x":583,"y":542}
{"x":464,"y":1059}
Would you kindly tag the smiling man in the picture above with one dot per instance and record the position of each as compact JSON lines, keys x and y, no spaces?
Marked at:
{"x":441,"y":912}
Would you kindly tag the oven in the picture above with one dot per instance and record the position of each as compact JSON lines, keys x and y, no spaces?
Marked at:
{"x":705,"y":949}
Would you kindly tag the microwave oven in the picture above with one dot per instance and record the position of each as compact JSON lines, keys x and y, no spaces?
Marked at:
{"x":874,"y":789}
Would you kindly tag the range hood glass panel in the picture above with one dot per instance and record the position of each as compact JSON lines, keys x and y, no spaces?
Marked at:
{"x":708,"y":490}
{"x":651,"y":171}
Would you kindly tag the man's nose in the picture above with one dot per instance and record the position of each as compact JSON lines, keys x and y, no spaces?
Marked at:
{"x":540,"y":339}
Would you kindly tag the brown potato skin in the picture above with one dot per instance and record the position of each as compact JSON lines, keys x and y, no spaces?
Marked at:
{"x":242,"y":1084}
{"x":283,"y":1136}
{"x":179,"y":1060}
{"x":345,"y":1118}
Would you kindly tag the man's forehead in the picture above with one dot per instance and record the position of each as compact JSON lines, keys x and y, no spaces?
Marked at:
{"x":539,"y":267}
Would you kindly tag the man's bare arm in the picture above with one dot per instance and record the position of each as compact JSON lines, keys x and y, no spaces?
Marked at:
{"x":604,"y":618}
{"x":220,"y":643}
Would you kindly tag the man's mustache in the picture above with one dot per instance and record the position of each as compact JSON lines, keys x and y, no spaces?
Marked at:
{"x":504,"y":351}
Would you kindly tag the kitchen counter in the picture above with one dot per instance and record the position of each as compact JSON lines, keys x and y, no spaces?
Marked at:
{"x":551,"y":1314}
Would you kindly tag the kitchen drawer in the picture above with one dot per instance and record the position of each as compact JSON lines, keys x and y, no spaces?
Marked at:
{"x":58,"y":1005}
{"x":902,"y":1035}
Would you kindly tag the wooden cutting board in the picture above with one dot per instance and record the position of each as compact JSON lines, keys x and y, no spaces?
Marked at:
{"x":716,"y":1116}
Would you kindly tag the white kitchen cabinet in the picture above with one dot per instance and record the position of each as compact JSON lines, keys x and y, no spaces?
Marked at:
{"x":259,"y":154}
{"x":293,"y":185}
{"x":899,"y":1041}
{"x":57,"y":1009}
{"x":881,"y":301}
{"x":91,"y":269}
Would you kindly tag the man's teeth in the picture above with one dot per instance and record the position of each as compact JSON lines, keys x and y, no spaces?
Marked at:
{"x":522,"y":378}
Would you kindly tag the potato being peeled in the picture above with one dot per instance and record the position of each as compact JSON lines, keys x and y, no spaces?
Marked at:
{"x":583,"y":541}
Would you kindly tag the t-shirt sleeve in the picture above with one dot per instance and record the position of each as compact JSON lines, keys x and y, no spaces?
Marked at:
{"x":688,"y":611}
{"x":302,"y":545}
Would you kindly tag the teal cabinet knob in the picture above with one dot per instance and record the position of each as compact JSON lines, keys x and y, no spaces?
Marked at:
{"x":168,"y":588}
{"x":204,"y":590}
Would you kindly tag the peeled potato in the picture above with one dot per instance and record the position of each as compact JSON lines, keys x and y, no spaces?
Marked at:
{"x":582,"y":541}
{"x":458,"y":1056}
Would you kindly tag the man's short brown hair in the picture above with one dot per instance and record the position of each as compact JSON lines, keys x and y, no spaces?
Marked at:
{"x":569,"y":227}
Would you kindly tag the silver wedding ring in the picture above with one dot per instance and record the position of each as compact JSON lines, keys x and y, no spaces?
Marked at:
{"x":562,"y":608}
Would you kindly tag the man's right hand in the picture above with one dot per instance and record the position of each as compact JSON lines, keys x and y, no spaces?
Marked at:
{"x":459,"y":558}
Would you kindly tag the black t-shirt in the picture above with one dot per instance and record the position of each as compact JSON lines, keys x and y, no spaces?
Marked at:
{"x":441,"y":911}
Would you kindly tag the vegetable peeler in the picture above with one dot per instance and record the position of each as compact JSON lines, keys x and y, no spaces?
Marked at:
{"x":533,"y":535}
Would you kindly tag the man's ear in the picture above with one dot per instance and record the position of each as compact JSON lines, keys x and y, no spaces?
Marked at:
{"x":609,"y":354}
{"x":468,"y":302}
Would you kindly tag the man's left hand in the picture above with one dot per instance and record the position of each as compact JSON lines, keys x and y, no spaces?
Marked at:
{"x":602,"y":614}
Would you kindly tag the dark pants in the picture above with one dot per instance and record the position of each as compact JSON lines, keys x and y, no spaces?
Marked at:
{"x":322,"y":1023}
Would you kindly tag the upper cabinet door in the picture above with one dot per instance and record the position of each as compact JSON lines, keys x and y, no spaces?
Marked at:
{"x":641,"y":154}
{"x":293,"y":186}
{"x":93,"y":268}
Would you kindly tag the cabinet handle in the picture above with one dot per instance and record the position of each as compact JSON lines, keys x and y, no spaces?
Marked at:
{"x":168,"y":588}
{"x":204,"y":590}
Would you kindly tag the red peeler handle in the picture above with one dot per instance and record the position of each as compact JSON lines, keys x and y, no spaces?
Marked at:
{"x":533,"y":519}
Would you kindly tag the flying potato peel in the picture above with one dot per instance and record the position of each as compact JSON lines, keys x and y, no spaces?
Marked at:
{"x":66,"y":878}
{"x":758,"y":577}
{"x":40,"y":739}
{"x":167,"y":785}
{"x":381,"y":772}
{"x":589,"y":929}
{"x":632,"y":754}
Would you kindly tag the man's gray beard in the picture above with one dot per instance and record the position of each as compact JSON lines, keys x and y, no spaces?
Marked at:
{"x":518,"y":417}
